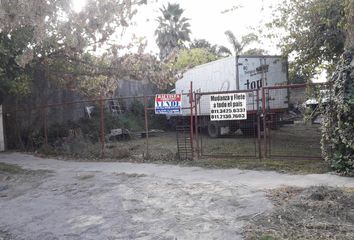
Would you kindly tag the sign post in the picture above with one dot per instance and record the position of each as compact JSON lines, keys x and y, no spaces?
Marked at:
{"x":168,"y":104}
{"x":230,"y":106}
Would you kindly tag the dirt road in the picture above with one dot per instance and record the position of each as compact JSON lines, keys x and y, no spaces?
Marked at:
{"x":81,"y":200}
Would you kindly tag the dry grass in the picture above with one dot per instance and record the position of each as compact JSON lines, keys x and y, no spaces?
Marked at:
{"x":85,"y":176}
{"x":289,"y":140}
{"x":242,"y":146}
{"x":284,"y":166}
{"x":296,"y":140}
{"x":163,"y":149}
{"x":11,"y":169}
{"x":129,"y":175}
{"x":313,"y":213}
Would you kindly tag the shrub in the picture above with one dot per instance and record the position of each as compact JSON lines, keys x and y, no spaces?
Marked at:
{"x":338,"y":125}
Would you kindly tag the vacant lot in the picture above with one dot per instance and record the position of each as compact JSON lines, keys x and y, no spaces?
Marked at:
{"x":290,"y":140}
{"x":296,"y":140}
{"x":51,"y":199}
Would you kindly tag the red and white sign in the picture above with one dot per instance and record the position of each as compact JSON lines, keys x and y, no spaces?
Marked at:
{"x":168,"y":104}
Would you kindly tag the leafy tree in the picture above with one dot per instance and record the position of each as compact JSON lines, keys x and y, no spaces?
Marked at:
{"x":239,"y":46}
{"x":223,"y":51}
{"x":14,"y":79}
{"x":189,"y":58}
{"x":314,"y":33}
{"x":92,"y":75}
{"x":147,"y":67}
{"x":218,"y":50}
{"x":202,"y":43}
{"x":338,"y":124}
{"x":173,"y":29}
{"x":39,"y":34}
{"x":55,"y":23}
{"x":255,"y":51}
{"x":349,"y":24}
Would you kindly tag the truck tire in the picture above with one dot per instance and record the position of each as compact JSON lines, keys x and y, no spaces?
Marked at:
{"x":213,"y":130}
{"x":275,"y":121}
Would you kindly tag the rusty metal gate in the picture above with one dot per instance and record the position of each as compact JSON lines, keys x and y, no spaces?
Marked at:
{"x":223,"y":137}
{"x":288,"y":132}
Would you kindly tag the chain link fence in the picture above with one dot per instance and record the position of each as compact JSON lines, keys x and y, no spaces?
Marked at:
{"x":114,"y":128}
{"x":293,"y":123}
{"x":278,"y":121}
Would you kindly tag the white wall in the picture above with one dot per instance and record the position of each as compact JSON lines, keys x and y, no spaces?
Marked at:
{"x":2,"y":142}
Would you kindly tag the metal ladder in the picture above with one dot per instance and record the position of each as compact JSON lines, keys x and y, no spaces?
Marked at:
{"x":115,"y":107}
{"x":184,"y":147}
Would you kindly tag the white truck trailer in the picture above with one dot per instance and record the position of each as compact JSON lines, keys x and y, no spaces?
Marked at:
{"x":232,"y":74}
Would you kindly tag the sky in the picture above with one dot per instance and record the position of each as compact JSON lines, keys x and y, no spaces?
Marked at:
{"x":208,"y":22}
{"x":206,"y":19}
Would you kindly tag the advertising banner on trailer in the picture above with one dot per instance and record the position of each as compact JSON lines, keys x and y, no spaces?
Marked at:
{"x":231,"y":106}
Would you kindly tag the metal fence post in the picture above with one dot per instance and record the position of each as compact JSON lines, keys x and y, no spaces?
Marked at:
{"x":146,"y":127}
{"x":102,"y":130}
{"x":196,"y":123}
{"x":2,"y":132}
{"x":191,"y":119}
{"x":259,"y":128}
{"x":264,"y":122}
{"x":201,"y":138}
{"x":45,"y":126}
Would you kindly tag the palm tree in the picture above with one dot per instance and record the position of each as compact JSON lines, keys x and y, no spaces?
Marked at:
{"x":173,"y":29}
{"x":239,"y":46}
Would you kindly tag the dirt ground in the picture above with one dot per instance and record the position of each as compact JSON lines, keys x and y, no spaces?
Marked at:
{"x":53,"y":199}
{"x":319,"y":212}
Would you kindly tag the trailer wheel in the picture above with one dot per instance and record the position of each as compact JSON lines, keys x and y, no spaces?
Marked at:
{"x":213,"y":130}
{"x":275,"y":121}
